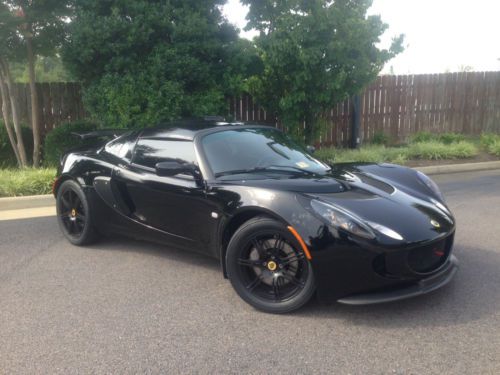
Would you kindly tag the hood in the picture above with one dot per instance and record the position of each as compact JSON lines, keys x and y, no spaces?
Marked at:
{"x":385,"y":194}
{"x":391,"y":196}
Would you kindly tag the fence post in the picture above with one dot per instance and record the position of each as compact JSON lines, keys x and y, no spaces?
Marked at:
{"x":355,"y":121}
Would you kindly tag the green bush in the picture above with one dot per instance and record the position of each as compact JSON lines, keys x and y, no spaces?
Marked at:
{"x":374,"y":154}
{"x":422,"y":137}
{"x":488,"y":139}
{"x":29,"y":181}
{"x":60,"y":140}
{"x":431,"y":150}
{"x":448,"y":138}
{"x":494,"y":148}
{"x":380,"y":138}
{"x":7,"y":156}
{"x":434,"y":150}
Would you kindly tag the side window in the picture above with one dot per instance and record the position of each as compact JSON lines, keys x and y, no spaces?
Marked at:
{"x":122,"y":146}
{"x":148,"y":152}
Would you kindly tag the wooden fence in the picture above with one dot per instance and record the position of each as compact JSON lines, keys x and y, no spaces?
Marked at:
{"x":58,"y":103}
{"x":399,"y":106}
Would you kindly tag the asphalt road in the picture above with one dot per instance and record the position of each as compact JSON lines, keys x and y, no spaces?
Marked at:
{"x":129,"y":307}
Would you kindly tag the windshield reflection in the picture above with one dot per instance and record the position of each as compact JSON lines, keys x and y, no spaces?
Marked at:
{"x":237,"y":151}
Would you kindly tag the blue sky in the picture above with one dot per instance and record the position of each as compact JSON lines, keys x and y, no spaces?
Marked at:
{"x":441,"y":35}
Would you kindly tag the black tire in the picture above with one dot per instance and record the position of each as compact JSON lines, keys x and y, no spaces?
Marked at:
{"x":74,"y":215}
{"x":267,"y":267}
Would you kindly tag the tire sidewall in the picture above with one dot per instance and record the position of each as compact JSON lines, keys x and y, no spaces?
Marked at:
{"x":88,"y":233}
{"x":239,"y":240}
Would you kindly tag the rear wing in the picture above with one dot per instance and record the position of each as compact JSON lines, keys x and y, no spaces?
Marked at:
{"x":107,"y":133}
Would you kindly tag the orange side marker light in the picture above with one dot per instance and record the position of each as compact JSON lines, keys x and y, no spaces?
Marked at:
{"x":301,"y":242}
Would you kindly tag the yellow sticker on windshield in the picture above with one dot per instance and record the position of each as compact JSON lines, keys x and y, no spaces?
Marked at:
{"x":302,"y":164}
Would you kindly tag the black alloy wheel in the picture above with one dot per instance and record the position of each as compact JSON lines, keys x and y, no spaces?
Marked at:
{"x":267,"y":267}
{"x":73,"y":214}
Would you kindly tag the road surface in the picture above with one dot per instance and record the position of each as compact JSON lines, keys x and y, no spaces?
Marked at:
{"x":122,"y":306}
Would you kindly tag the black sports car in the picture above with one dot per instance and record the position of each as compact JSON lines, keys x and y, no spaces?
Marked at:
{"x":283,"y":224}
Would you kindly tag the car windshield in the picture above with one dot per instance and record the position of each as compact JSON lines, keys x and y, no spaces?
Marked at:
{"x":239,"y":151}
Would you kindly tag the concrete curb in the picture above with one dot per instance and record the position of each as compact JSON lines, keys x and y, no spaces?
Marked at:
{"x":34,"y":201}
{"x":31,"y":201}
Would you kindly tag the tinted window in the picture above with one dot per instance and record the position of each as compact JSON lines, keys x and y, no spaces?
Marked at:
{"x":122,"y":146}
{"x":148,"y":152}
{"x":233,"y":150}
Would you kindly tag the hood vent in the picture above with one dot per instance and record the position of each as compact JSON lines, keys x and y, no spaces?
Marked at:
{"x":375,"y":183}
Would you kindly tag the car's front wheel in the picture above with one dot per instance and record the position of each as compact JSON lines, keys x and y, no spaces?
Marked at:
{"x":73,"y":214}
{"x":267,"y":267}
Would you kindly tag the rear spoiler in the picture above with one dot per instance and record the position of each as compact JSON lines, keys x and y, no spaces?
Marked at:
{"x":107,"y":133}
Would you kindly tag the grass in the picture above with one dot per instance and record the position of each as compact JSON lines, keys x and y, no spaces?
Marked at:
{"x":17,"y":182}
{"x":491,"y":143}
{"x":435,"y":150}
{"x":373,"y":153}
{"x":429,"y":150}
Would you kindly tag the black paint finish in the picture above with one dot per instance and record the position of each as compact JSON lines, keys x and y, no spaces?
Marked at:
{"x":199,"y":212}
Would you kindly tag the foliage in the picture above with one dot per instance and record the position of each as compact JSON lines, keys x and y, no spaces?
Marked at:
{"x":374,"y":154}
{"x":380,"y":138}
{"x":42,"y":21}
{"x":147,"y":61}
{"x":7,"y":156}
{"x":10,"y":41}
{"x":315,"y":54}
{"x":28,"y":181}
{"x":423,"y":136}
{"x":449,"y":138}
{"x":434,"y":150}
{"x":494,"y":148}
{"x":491,"y":143}
{"x":431,"y":150}
{"x":446,"y":138}
{"x":488,"y":139}
{"x":60,"y":140}
{"x":47,"y":69}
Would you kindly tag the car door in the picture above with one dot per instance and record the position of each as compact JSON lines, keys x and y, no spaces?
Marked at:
{"x":176,"y":206}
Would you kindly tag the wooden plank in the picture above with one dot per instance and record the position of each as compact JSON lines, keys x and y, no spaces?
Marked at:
{"x":469,"y":92}
{"x":405,"y":111}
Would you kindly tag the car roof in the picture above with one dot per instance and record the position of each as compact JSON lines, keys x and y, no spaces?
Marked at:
{"x":188,"y":129}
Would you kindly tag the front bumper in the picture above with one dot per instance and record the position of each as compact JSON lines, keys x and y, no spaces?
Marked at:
{"x":423,"y":286}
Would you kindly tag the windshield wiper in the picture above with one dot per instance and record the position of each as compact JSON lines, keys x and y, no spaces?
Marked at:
{"x":269,"y":168}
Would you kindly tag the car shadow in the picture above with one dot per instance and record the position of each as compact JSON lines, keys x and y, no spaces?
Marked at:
{"x":123,"y":244}
{"x":471,"y":295}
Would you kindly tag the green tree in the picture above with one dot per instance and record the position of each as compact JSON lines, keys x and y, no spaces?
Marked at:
{"x":146,"y":61}
{"x":41,"y":28}
{"x":47,"y":69}
{"x":10,"y":45}
{"x":315,"y":54}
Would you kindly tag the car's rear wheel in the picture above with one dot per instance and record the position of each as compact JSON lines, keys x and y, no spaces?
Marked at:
{"x":267,"y":267}
{"x":73,"y":214}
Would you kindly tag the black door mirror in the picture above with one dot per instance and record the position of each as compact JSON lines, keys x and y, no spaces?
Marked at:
{"x":310,"y":149}
{"x":172,"y":168}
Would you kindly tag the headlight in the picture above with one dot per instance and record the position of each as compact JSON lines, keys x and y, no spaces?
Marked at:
{"x":341,"y":219}
{"x":430,"y":184}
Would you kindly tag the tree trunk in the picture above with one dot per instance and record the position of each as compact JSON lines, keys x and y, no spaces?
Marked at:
{"x":15,"y":114}
{"x":6,"y":119}
{"x":35,"y":120}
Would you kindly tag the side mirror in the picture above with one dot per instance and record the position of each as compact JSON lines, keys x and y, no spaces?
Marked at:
{"x":310,"y":149}
{"x":172,"y":168}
